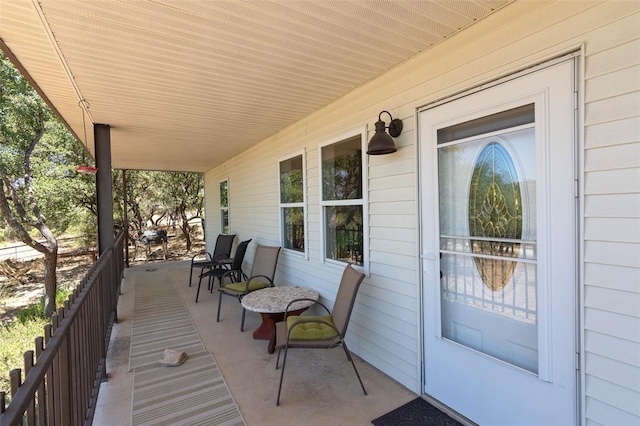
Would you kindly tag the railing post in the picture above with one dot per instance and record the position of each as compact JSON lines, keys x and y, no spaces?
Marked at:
{"x":41,"y":394}
{"x":113,"y":287}
{"x":31,"y":411}
{"x":63,"y":354}
{"x":57,"y":401}
{"x":15,"y":380}
{"x":50,"y":381}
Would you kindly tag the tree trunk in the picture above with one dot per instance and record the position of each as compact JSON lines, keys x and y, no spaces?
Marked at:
{"x":186,"y":229}
{"x":187,"y":234}
{"x":137,"y":215}
{"x":156,"y":223}
{"x":50,"y":281}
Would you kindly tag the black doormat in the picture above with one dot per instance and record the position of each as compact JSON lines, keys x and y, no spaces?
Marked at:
{"x":417,"y":412}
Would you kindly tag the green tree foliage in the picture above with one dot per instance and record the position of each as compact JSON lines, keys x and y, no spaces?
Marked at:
{"x":154,"y":197}
{"x":38,"y":156}
{"x":183,"y":200}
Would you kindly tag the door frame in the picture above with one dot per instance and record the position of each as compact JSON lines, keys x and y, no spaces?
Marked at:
{"x":577,"y":56}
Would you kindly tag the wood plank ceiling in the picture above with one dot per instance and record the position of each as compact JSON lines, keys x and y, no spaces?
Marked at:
{"x":186,"y":85}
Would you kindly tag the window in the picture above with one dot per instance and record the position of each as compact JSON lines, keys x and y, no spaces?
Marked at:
{"x":224,"y":206}
{"x":342,"y":200}
{"x":292,"y":205}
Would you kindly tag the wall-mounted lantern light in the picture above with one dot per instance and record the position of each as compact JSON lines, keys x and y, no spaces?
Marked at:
{"x":382,"y":142}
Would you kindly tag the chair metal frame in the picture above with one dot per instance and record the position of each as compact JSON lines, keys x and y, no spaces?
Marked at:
{"x":259,"y":271}
{"x":233,"y":272}
{"x":345,"y":299}
{"x":222,"y":251}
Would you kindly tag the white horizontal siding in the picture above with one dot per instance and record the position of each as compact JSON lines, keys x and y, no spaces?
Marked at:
{"x":600,"y":413}
{"x":386,"y":321}
{"x":612,"y":253}
{"x":612,"y":228}
{"x":612,"y":276}
{"x":610,"y":109}
{"x":618,"y":301}
{"x":613,"y":157}
{"x":624,"y":54}
{"x":623,"y":230}
{"x":618,"y":205}
{"x":622,"y":374}
{"x":613,"y":84}
{"x":621,"y":350}
{"x":612,"y":324}
{"x":618,"y":132}
{"x":614,"y":395}
{"x":618,"y":181}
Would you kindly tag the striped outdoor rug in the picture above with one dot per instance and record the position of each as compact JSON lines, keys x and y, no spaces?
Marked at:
{"x":193,"y":393}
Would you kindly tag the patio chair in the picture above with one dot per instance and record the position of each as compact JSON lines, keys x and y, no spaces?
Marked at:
{"x":234,"y":272}
{"x":320,"y":332}
{"x":262,"y":272}
{"x":222,"y":250}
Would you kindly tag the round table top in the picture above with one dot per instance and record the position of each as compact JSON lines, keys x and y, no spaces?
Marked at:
{"x":275,"y":299}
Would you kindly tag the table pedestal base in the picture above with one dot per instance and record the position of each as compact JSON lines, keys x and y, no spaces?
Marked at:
{"x":267,"y":330}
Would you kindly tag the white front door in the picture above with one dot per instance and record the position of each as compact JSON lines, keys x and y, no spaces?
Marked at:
{"x":498,"y":211}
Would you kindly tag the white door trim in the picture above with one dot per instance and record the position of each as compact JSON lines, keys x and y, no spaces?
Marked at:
{"x":428,"y":257}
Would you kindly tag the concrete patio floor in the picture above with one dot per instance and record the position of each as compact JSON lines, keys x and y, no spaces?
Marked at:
{"x":320,"y":387}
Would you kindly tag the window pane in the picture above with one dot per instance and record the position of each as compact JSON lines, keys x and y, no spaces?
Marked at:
{"x":342,"y":170}
{"x":291,"y":186}
{"x":224,"y":221}
{"x":293,"y":228}
{"x":487,"y":202}
{"x":344,"y":233}
{"x":491,"y":123}
{"x":224,"y":198}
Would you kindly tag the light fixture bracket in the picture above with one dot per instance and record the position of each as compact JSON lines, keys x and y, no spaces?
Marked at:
{"x":395,"y":127}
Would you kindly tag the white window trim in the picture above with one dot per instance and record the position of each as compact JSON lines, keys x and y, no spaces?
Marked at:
{"x":223,"y":209}
{"x":362,"y":131}
{"x":303,"y":204}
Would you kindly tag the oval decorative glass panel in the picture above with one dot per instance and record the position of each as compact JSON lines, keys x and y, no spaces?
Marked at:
{"x":495,"y":215}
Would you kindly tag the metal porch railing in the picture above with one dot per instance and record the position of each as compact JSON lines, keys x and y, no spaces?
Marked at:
{"x":62,"y":380}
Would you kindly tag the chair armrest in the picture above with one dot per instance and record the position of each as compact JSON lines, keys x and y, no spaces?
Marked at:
{"x":260,"y":276}
{"x":207,"y":257}
{"x":219,"y":257}
{"x":286,"y":311}
{"x":226,"y":273}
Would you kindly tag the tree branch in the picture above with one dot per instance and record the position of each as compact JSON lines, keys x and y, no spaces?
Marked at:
{"x":28,"y":178}
{"x":13,"y":222}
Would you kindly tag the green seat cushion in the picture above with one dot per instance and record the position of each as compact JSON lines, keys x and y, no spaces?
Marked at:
{"x":311,"y":330}
{"x":253,"y":285}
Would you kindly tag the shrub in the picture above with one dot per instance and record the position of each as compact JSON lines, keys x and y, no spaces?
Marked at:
{"x":36,"y":311}
{"x":17,"y":338}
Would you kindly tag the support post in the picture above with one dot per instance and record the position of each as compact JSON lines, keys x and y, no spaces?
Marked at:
{"x":104,"y":191}
{"x":125,"y":216}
